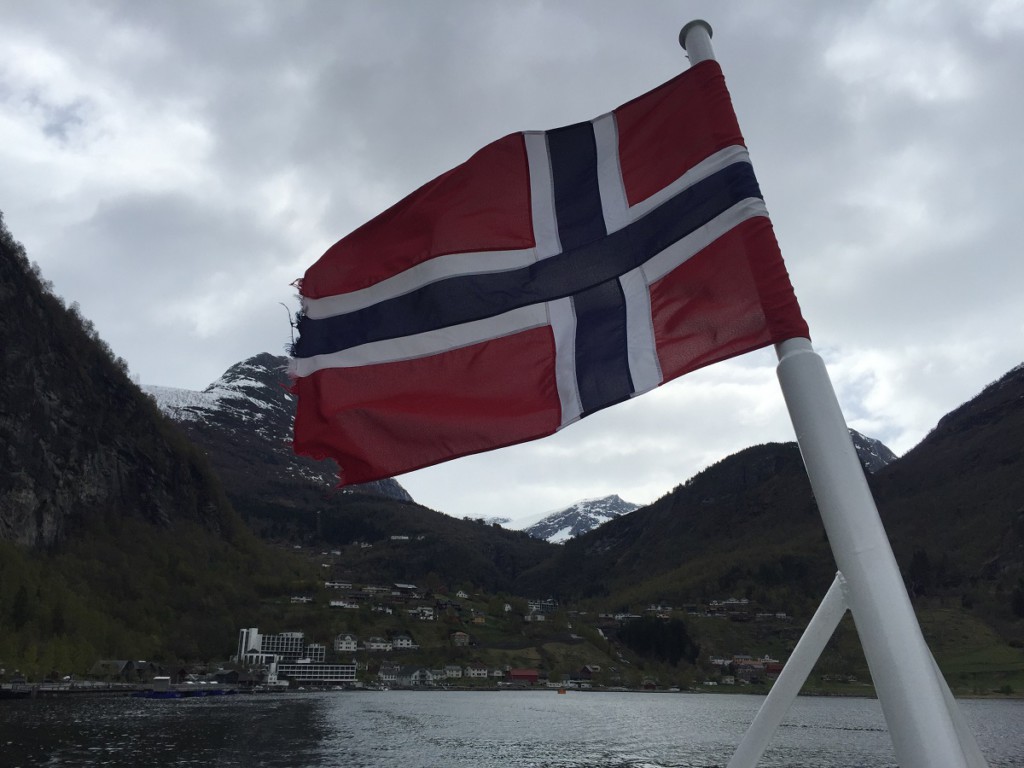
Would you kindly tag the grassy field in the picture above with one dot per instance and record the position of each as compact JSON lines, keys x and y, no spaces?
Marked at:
{"x":974,"y":659}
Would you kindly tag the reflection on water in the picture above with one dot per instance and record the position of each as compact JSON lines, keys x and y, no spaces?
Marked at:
{"x":441,"y":729}
{"x":124,"y":731}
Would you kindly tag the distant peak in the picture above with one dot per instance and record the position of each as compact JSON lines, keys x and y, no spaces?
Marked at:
{"x":873,"y":454}
{"x":579,"y":518}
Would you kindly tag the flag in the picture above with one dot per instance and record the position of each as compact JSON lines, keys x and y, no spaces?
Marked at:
{"x":551,"y":275}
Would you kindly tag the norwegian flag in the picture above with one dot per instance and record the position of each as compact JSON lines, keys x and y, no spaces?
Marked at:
{"x":551,"y":275}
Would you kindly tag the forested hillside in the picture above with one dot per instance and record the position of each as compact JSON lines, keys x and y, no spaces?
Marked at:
{"x":954,"y":506}
{"x":120,"y":538}
{"x":116,"y":538}
{"x":746,"y":526}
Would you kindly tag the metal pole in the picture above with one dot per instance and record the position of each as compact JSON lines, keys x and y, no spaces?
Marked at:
{"x":920,"y":722}
{"x":695,"y":37}
{"x":799,"y":665}
{"x":975,"y":759}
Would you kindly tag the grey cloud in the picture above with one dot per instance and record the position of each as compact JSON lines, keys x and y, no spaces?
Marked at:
{"x":894,"y":198}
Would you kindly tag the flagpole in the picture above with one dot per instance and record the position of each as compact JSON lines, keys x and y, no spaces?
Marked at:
{"x":903,"y":672}
{"x":920,"y":722}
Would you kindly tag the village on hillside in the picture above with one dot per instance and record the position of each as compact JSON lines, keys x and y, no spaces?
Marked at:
{"x":401,"y":636}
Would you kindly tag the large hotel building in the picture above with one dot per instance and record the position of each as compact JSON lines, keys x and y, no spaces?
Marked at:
{"x":287,"y":655}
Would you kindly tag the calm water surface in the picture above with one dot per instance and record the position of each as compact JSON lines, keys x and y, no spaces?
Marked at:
{"x":478,"y":730}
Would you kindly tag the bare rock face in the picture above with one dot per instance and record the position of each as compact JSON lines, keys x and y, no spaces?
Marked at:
{"x":80,"y":443}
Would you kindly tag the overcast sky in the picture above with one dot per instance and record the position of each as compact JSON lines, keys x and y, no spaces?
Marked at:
{"x":174,"y":166}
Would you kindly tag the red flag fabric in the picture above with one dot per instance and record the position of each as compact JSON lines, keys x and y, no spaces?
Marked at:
{"x":551,"y":275}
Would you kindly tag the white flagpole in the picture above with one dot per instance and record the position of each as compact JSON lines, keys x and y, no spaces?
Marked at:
{"x":903,"y":672}
{"x":902,"y":669}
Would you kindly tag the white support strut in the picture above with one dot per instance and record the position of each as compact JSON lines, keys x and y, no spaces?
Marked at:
{"x":799,"y":665}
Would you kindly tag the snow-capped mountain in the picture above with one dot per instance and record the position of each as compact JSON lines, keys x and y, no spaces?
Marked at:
{"x":873,"y":454}
{"x":243,"y":421}
{"x":559,"y":527}
{"x":252,"y":392}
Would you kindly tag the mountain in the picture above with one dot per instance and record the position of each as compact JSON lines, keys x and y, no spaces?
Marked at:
{"x":79,"y":441}
{"x":753,"y":510}
{"x":121,"y":530}
{"x":243,"y":421}
{"x":746,"y":520}
{"x":116,"y":537}
{"x":583,"y":516}
{"x":120,"y":535}
{"x":874,"y":454}
{"x":748,"y":526}
{"x":954,"y":504}
{"x":578,"y":518}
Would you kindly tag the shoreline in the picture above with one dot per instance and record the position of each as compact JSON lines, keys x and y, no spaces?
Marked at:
{"x":31,"y":691}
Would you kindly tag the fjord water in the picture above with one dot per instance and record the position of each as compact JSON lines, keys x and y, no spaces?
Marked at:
{"x":539,"y":729}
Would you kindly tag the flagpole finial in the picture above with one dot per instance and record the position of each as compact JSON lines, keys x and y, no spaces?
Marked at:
{"x":695,"y":38}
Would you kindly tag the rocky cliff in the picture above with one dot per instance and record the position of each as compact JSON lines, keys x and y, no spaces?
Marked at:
{"x":79,"y":442}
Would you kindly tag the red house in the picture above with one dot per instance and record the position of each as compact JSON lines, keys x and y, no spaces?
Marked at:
{"x":522,"y":676}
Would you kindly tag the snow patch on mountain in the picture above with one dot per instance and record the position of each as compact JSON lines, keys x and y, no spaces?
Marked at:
{"x":180,"y":404}
{"x":561,"y":536}
{"x":585,"y":515}
{"x":252,"y":403}
{"x":873,"y":454}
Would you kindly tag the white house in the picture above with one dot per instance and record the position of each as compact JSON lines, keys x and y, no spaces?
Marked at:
{"x":547,"y":605}
{"x":378,"y":644}
{"x":413,"y":676}
{"x":344,"y":643}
